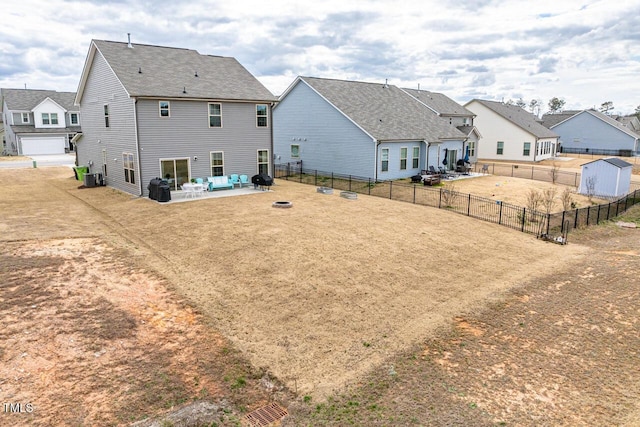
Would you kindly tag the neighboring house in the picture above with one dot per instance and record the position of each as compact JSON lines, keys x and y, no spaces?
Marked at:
{"x":631,"y":121}
{"x":609,"y":177}
{"x":592,"y":131}
{"x":39,"y":121}
{"x":369,"y":130}
{"x":511,"y":133}
{"x":154,"y":111}
{"x":454,"y":113}
{"x":4,"y":141}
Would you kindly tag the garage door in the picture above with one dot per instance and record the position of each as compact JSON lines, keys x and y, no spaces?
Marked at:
{"x":50,"y":145}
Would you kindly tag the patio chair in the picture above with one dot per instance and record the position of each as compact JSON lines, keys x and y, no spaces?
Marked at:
{"x":433,"y":171}
{"x":188,"y":190}
{"x":235,"y":180}
{"x":485,"y":169}
{"x":244,"y":179}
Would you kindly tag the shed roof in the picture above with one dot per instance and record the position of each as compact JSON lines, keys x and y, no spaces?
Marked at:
{"x":384,"y":111}
{"x":615,"y":161}
{"x":168,"y":72}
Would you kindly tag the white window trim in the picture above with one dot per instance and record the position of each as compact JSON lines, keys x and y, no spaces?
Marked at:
{"x":292,"y":156}
{"x":211,"y":165}
{"x":48,"y":119}
{"x":258,"y":163}
{"x":132,"y":168}
{"x":23,"y":116}
{"x":209,"y":115}
{"x":77,"y":118}
{"x":406,"y":158}
{"x":382,"y":150}
{"x":107,"y":115}
{"x":266,"y":116}
{"x":160,"y":109}
{"x":413,"y":157}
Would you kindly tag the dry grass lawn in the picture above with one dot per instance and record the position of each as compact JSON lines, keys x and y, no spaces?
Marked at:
{"x":317,"y":296}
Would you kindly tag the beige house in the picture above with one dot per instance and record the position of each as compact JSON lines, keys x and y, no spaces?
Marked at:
{"x":511,"y":133}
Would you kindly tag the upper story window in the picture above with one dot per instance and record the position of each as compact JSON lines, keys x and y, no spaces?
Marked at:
{"x":262,"y":115}
{"x":403,"y":158}
{"x":74,"y":118}
{"x":215,"y":115}
{"x":500,"y":148}
{"x":49,"y":118}
{"x":526,"y":149}
{"x":384,"y":160}
{"x":416,"y":158}
{"x":164,"y":108}
{"x":25,"y":117}
{"x":106,"y":115}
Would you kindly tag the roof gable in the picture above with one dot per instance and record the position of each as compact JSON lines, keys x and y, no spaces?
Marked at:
{"x":619,"y":163}
{"x":27,"y":99}
{"x":384,"y":111}
{"x":440,"y":103}
{"x":518,"y":117}
{"x":167,"y":72}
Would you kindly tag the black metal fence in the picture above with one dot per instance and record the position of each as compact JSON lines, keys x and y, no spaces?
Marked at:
{"x":505,"y":214}
{"x":599,"y":152}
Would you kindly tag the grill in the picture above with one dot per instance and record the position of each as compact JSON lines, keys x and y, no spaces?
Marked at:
{"x":262,"y":180}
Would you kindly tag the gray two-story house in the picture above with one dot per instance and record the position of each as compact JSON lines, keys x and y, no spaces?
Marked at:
{"x":39,"y":121}
{"x":154,"y":111}
{"x":369,"y":130}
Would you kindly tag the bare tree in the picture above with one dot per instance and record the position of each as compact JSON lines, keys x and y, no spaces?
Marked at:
{"x":567,"y":199}
{"x":605,"y":107}
{"x":553,"y":172}
{"x":449,"y":194}
{"x":590,"y":186}
{"x":549,"y":198}
{"x":520,"y":103}
{"x":534,"y":106}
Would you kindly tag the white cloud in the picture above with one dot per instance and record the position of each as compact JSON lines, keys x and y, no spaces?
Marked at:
{"x":585,"y":51}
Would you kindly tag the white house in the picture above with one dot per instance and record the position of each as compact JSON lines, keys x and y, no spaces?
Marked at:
{"x":511,"y":133}
{"x":610,"y":177}
{"x":39,"y":121}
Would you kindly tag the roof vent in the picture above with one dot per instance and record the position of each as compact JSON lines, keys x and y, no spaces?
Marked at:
{"x":184,"y":89}
{"x":386,"y":84}
{"x":196,"y":74}
{"x":139,"y":70}
{"x":129,"y":45}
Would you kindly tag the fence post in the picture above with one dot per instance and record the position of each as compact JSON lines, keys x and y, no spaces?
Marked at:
{"x":300,"y":173}
{"x":617,"y":206}
{"x":440,"y":200}
{"x":524,"y":217}
{"x":414,"y":194}
{"x":608,"y":209}
{"x":575,"y":222}
{"x":598,"y":216}
{"x":562,"y":226}
{"x":469,"y":206}
{"x":331,"y":179}
{"x":532,"y":173}
{"x":390,"y":189}
{"x":588,"y":214}
{"x":349,"y":182}
{"x":500,"y":215}
{"x":369,"y":185}
{"x":316,"y":178}
{"x":548,"y":221}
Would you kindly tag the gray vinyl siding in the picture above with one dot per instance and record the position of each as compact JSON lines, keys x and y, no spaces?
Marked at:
{"x":328,"y":140}
{"x":186,"y":133}
{"x":610,"y":180}
{"x":394,"y":171}
{"x":102,"y":87}
{"x":586,"y":131}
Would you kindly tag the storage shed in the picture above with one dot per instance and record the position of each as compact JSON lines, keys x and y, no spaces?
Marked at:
{"x":610,"y":177}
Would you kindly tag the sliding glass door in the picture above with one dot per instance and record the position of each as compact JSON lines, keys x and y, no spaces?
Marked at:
{"x":175,"y":171}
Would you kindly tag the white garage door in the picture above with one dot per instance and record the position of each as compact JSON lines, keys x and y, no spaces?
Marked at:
{"x":50,"y":145}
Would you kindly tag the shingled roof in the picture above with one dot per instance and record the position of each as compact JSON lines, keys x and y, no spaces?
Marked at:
{"x":28,"y":99}
{"x":384,"y":111}
{"x":551,"y":119}
{"x":439,"y":103}
{"x":610,"y":121}
{"x":518,"y":117}
{"x":168,"y":72}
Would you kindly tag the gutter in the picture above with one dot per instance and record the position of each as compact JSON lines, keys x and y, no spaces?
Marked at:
{"x":135,"y":124}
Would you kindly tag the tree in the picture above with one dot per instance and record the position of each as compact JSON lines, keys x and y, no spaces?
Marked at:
{"x":520,"y":103}
{"x":534,"y":106}
{"x":638,"y":111}
{"x":556,"y":105}
{"x":605,"y":107}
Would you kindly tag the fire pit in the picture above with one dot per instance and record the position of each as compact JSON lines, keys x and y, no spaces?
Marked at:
{"x":282,"y":205}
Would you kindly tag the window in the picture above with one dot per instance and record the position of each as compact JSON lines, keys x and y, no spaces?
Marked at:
{"x":74,"y":118}
{"x":106,"y":115}
{"x":25,"y":117}
{"x":500,"y":149}
{"x":416,"y":157}
{"x":295,"y":150}
{"x":403,"y":158}
{"x":164,"y":108}
{"x":527,"y":149}
{"x":129,"y":172}
{"x":263,"y":161}
{"x":472,"y":148}
{"x":262,"y":115}
{"x":217,"y":163}
{"x":384,"y":158}
{"x":45,"y":118}
{"x":215,"y":115}
{"x":54,"y":118}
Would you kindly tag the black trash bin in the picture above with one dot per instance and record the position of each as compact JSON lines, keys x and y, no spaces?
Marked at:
{"x":164,"y":192}
{"x":153,"y":187}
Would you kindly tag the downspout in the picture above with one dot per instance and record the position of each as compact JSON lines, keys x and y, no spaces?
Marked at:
{"x":135,"y":125}
{"x":375,"y":165}
{"x":273,"y":153}
{"x":426,"y":165}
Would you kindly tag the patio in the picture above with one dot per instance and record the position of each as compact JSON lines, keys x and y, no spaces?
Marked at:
{"x":182,"y":196}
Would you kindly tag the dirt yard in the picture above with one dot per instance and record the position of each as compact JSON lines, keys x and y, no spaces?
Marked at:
{"x":121,"y":307}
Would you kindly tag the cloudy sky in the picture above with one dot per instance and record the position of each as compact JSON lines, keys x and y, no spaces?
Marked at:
{"x":584,"y":51}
